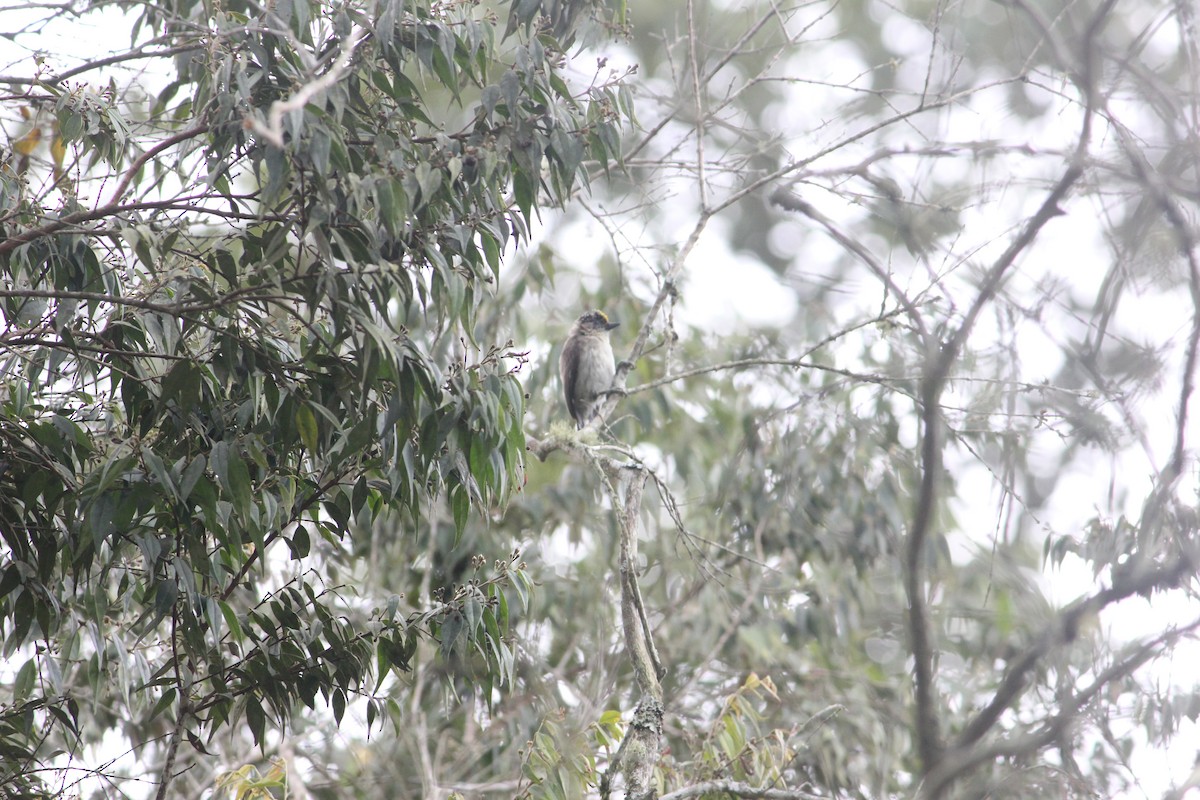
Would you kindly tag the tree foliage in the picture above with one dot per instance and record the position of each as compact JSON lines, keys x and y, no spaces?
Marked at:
{"x":241,"y":324}
{"x":282,"y":459}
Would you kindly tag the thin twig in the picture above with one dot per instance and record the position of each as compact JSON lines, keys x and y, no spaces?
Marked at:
{"x":743,"y":363}
{"x":113,"y":205}
{"x":272,"y":129}
{"x":927,"y":715}
{"x":960,"y":761}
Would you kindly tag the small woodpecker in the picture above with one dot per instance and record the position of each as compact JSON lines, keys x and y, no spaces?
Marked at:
{"x":586,"y":365}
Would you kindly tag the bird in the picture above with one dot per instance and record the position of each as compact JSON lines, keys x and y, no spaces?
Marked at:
{"x":586,"y":365}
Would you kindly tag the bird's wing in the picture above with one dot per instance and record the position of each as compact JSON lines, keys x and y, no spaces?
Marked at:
{"x":570,"y":352}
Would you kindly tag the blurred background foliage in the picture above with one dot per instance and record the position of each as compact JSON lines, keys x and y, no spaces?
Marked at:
{"x":265,"y":408}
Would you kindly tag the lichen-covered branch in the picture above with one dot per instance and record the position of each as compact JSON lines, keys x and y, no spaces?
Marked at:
{"x":638,"y":754}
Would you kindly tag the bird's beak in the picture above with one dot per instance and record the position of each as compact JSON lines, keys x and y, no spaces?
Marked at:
{"x":612,"y":324}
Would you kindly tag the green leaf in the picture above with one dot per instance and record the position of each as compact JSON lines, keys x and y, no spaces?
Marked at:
{"x":23,"y":685}
{"x":452,"y":633}
{"x":164,"y":702}
{"x":429,"y":180}
{"x":160,"y":472}
{"x":460,"y":503}
{"x":299,"y":542}
{"x":191,"y":476}
{"x":306,"y":424}
{"x":491,"y":251}
{"x":231,"y":621}
{"x":182,"y":384}
{"x":523,"y":190}
{"x":23,"y":615}
{"x":256,"y":720}
{"x":385,"y":195}
{"x":165,"y":595}
{"x":502,"y":611}
{"x":227,"y":266}
{"x":338,"y":703}
{"x":473,"y":610}
{"x":233,"y":475}
{"x":10,"y":579}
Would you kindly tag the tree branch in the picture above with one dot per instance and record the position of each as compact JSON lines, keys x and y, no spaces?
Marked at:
{"x":132,"y":55}
{"x":639,"y":344}
{"x":638,"y":640}
{"x":1064,"y":630}
{"x":639,"y":751}
{"x":927,"y":717}
{"x":739,"y":790}
{"x":1151,"y":182}
{"x":112,"y":206}
{"x":272,"y":130}
{"x":961,"y":760}
{"x":788,"y":200}
{"x":743,"y":363}
{"x":181,"y":713}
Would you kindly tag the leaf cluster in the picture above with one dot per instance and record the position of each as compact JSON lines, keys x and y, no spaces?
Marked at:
{"x":225,"y":357}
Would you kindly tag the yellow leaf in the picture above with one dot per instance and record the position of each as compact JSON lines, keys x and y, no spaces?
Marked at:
{"x":58,"y":150}
{"x":276,"y":773}
{"x":26,"y":144}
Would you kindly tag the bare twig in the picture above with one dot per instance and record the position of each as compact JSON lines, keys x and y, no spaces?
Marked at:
{"x":1064,"y":630}
{"x":1161,"y":197}
{"x":666,"y":289}
{"x":785,"y":198}
{"x":272,"y":129}
{"x":743,"y":363}
{"x":960,"y":761}
{"x":941,"y":362}
{"x":732,"y":52}
{"x":139,"y":53}
{"x":181,"y":714}
{"x":698,"y":90}
{"x":114,"y":203}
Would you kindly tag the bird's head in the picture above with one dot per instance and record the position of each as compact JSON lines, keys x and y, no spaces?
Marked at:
{"x":594,"y":322}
